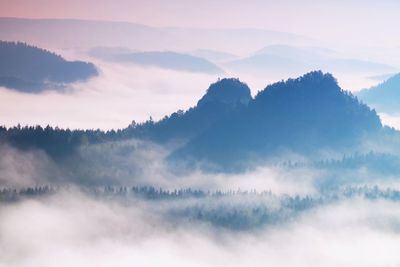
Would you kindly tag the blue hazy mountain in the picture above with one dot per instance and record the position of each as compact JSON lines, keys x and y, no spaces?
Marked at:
{"x":30,"y":69}
{"x":231,"y":130}
{"x":161,"y":59}
{"x":221,"y":99}
{"x":300,"y":115}
{"x":86,"y":34}
{"x":213,"y":55}
{"x":284,"y":58}
{"x":384,"y":97}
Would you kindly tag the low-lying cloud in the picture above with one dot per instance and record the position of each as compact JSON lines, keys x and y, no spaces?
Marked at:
{"x":143,"y":163}
{"x":392,"y":120}
{"x":73,"y":229}
{"x":120,"y":94}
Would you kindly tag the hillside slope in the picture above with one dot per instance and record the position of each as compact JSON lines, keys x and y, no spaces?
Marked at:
{"x":30,"y":69}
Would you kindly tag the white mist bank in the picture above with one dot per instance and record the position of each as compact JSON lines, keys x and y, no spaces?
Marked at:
{"x":392,"y":120}
{"x":141,"y":163}
{"x":120,"y":94}
{"x":72,"y":229}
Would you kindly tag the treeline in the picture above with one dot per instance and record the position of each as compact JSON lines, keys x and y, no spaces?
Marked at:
{"x":153,"y":193}
{"x":58,"y":142}
{"x":55,"y":141}
{"x":235,"y":210}
{"x":13,"y":195}
{"x":30,"y":69}
{"x":383,"y":162}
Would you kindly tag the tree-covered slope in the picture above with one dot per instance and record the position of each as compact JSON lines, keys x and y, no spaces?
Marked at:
{"x":30,"y":69}
{"x":228,"y":128}
{"x":385,"y":97}
{"x":221,"y":99}
{"x":300,"y":115}
{"x":161,"y":59}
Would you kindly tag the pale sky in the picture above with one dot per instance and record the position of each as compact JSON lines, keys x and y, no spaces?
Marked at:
{"x":354,"y":21}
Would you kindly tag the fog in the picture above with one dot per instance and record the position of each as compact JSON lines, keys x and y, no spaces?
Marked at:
{"x":23,"y":169}
{"x":78,"y":230}
{"x":121,"y":94}
{"x":126,"y":92}
{"x":392,"y":120}
{"x":75,"y":226}
{"x":142,"y":163}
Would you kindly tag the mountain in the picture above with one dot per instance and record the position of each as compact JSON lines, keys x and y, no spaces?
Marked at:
{"x":27,"y":68}
{"x":213,"y":55}
{"x":384,"y":97}
{"x":300,"y":59}
{"x":304,"y":115}
{"x":165,"y":60}
{"x":89,"y":33}
{"x":221,"y":99}
{"x":228,"y":130}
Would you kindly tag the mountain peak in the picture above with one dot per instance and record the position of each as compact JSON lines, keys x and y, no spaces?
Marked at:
{"x":304,"y":115}
{"x":315,"y":82}
{"x":228,"y":91}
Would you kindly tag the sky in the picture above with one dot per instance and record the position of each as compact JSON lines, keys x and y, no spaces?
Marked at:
{"x":356,"y":19}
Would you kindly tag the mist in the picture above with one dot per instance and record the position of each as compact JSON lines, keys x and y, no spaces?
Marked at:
{"x":121,"y":94}
{"x":126,"y":92}
{"x":79,"y":230}
{"x":392,"y":120}
{"x":272,"y":215}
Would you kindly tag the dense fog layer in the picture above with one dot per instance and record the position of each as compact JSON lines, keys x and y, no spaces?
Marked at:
{"x":99,"y":214}
{"x":76,"y":229}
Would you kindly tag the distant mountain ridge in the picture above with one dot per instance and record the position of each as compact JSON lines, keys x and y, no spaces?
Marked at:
{"x":162,"y":59}
{"x":385,"y":97}
{"x":300,"y":59}
{"x":90,"y":33}
{"x":30,"y":69}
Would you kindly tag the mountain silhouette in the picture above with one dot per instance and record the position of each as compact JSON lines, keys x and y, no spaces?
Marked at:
{"x":384,"y":97}
{"x":300,"y":115}
{"x":91,"y":33}
{"x":221,"y":99}
{"x":30,"y":69}
{"x":298,"y":59}
{"x":161,"y":59}
{"x":229,"y":130}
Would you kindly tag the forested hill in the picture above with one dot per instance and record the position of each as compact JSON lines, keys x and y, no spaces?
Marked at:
{"x":302,"y":115}
{"x":222,"y":98}
{"x":228,"y":126}
{"x":31,"y":69}
{"x":385,"y":97}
